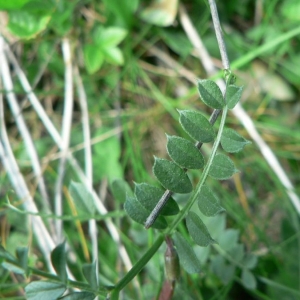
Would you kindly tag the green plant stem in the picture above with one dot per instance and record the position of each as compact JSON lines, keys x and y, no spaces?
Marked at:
{"x":137,"y":267}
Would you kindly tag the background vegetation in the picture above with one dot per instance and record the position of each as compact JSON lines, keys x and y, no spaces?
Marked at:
{"x":136,"y":65}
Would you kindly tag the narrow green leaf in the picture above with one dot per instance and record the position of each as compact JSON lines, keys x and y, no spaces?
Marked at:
{"x":248,"y":279}
{"x":58,"y":260}
{"x":196,"y":126}
{"x":120,"y":188}
{"x":232,"y":141}
{"x":45,"y":290}
{"x":198,"y":230}
{"x":93,"y":58}
{"x":89,"y":272}
{"x":208,"y":203}
{"x":184,"y":153}
{"x":13,"y":268}
{"x":82,"y":198}
{"x":79,"y":296}
{"x":187,"y":256}
{"x":210,"y":94}
{"x":148,"y":195}
{"x":138,"y":213}
{"x":233,"y":95}
{"x":171,"y":176}
{"x":222,"y":167}
{"x":22,"y":255}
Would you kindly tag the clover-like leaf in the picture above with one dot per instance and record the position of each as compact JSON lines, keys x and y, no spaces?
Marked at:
{"x":187,"y":256}
{"x":198,"y":230}
{"x":208,"y":203}
{"x":211,"y":94}
{"x":137,"y":212}
{"x":58,"y":260}
{"x":233,"y":95}
{"x":232,"y":141}
{"x":196,"y":126}
{"x":171,"y":176}
{"x":148,"y":195}
{"x":184,"y":153}
{"x":222,"y":167}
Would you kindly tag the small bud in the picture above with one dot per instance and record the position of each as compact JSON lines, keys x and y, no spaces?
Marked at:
{"x":171,"y":262}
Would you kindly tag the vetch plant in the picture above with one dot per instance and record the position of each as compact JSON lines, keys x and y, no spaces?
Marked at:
{"x":154,"y":206}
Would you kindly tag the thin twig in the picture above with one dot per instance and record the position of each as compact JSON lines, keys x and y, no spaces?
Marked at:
{"x":66,"y":132}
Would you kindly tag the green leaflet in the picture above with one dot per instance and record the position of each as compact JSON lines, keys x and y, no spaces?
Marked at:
{"x":211,"y":94}
{"x":222,"y":167}
{"x":184,"y":153}
{"x":148,"y":195}
{"x":196,"y":126}
{"x":232,"y":141}
{"x":46,"y":290}
{"x":138,"y":213}
{"x":89,"y":272}
{"x":233,"y":95}
{"x":198,"y":230}
{"x":171,"y":176}
{"x":187,"y":256}
{"x":58,"y":260}
{"x":208,"y":203}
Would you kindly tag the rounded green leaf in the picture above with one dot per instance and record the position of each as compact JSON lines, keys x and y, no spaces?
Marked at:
{"x":198,"y":230}
{"x":233,"y":95}
{"x":25,"y":24}
{"x":171,"y":176}
{"x":148,"y":195}
{"x":93,"y":58}
{"x":138,"y":213}
{"x":208,"y":203}
{"x":184,"y":153}
{"x":58,"y":260}
{"x":211,"y":94}
{"x":109,"y":37}
{"x":232,"y":141}
{"x":222,"y":167}
{"x":46,"y":290}
{"x":187,"y":256}
{"x":196,"y":126}
{"x":248,"y":279}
